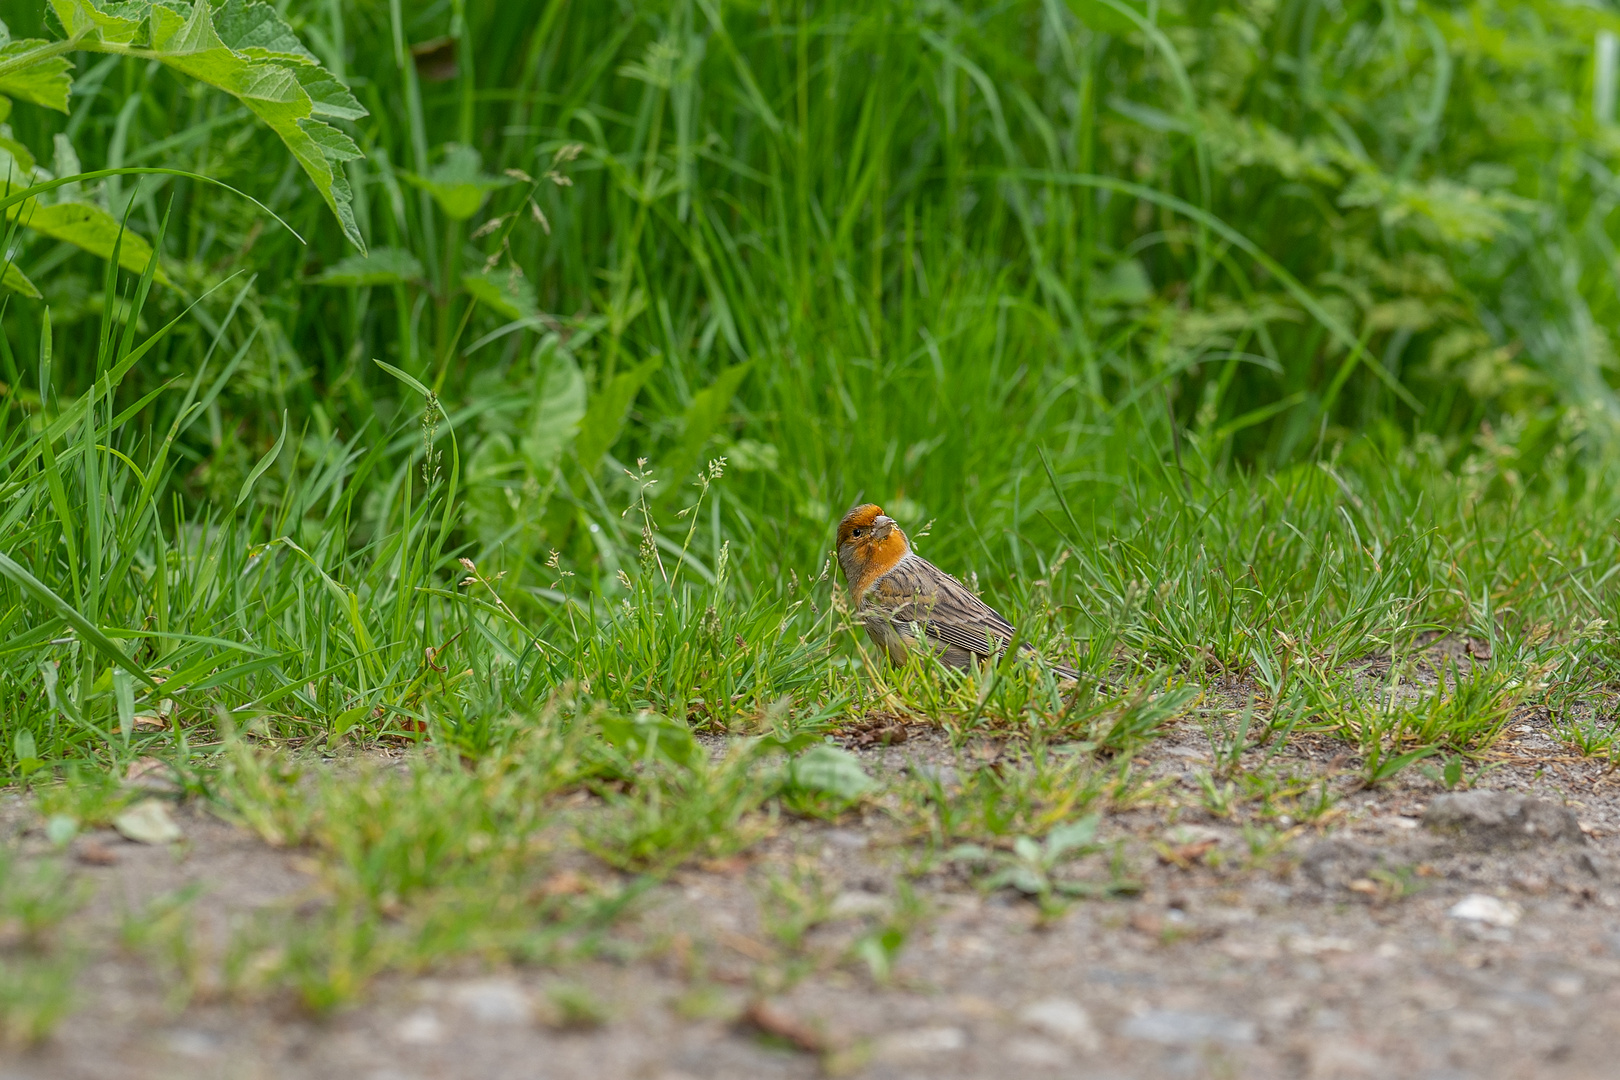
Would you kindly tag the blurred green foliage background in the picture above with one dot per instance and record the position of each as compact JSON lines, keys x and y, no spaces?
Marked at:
{"x":888,"y":251}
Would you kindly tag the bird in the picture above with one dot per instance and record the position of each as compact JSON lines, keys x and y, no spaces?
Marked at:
{"x":897,"y":592}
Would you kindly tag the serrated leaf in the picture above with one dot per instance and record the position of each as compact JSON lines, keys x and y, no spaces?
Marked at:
{"x":333,"y":143}
{"x":458,"y":183}
{"x":506,"y":292}
{"x":258,"y":30}
{"x":245,"y":49}
{"x":383,"y":266}
{"x":264,"y":81}
{"x":191,"y":33}
{"x":43,"y":83}
{"x":327,"y":96}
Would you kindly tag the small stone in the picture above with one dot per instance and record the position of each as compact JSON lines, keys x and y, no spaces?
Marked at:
{"x":495,"y":1002}
{"x":421,"y":1028}
{"x":1485,"y":909}
{"x":1174,"y":1028}
{"x":148,"y":822}
{"x":193,"y":1044}
{"x":1339,"y":1058}
{"x":1469,"y":1023}
{"x":1037,"y":1052}
{"x":920,"y":1042}
{"x":857,"y":905}
{"x":95,"y":853}
{"x":151,"y":774}
{"x":1337,"y":863}
{"x":945,"y":776}
{"x":1282,"y":1009}
{"x":1567,"y":986}
{"x":1495,"y":819}
{"x":773,"y":1019}
{"x":1065,"y":1021}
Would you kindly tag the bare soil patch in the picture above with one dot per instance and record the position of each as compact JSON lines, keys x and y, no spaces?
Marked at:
{"x":1370,"y":945}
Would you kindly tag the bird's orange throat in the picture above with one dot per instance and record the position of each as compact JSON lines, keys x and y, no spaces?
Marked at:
{"x":873,"y":560}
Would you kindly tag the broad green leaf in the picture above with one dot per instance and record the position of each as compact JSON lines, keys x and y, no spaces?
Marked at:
{"x":1065,"y":838}
{"x":649,"y":737}
{"x":1126,"y":282}
{"x":61,"y":216}
{"x":20,"y":165}
{"x":703,"y":416}
{"x":458,"y":183}
{"x":506,"y":292}
{"x":383,"y":266}
{"x":17,"y":281}
{"x":43,"y":83}
{"x":605,"y":418}
{"x":88,"y":226}
{"x":246,"y":49}
{"x":115,"y":24}
{"x":827,"y":770}
{"x":555,"y":418}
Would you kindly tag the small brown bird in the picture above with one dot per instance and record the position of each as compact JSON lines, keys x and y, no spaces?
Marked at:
{"x":896,"y":592}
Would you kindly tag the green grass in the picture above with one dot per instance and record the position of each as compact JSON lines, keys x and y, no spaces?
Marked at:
{"x":1223,"y":346}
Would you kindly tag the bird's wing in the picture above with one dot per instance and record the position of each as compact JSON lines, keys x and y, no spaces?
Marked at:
{"x":918,"y":591}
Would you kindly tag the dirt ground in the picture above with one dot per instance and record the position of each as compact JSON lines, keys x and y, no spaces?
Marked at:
{"x":1378,"y":946}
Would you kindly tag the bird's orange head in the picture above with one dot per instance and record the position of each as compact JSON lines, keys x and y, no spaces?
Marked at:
{"x":869,"y":545}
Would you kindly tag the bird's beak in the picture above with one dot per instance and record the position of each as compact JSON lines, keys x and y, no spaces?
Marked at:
{"x":882,"y":524}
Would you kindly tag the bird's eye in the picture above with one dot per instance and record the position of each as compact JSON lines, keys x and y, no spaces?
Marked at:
{"x":861,"y":531}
